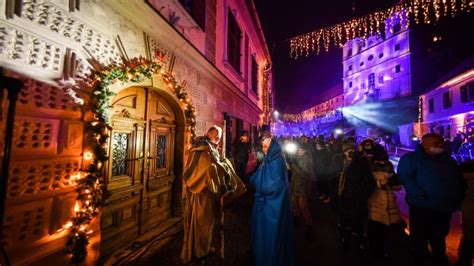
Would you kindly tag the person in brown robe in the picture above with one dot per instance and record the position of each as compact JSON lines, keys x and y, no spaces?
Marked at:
{"x":207,"y":176}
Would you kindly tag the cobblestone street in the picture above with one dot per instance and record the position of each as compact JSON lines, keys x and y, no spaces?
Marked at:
{"x":322,"y":251}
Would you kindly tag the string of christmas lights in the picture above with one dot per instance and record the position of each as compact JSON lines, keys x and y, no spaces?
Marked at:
{"x":421,"y":11}
{"x":89,"y":182}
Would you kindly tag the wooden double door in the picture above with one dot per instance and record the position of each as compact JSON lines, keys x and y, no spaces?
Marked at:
{"x":140,"y":172}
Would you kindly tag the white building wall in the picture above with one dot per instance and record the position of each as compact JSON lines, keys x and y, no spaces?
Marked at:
{"x":454,"y":116}
{"x":380,"y":57}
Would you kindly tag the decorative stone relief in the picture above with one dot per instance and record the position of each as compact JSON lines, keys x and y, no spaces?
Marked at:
{"x":34,"y":135}
{"x":32,"y":177}
{"x":40,"y":95}
{"x":61,"y":22}
{"x":72,"y":137}
{"x":23,"y":47}
{"x":27,"y":223}
{"x":158,"y":53}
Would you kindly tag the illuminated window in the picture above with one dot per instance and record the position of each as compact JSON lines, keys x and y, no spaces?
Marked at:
{"x":197,"y":10}
{"x":381,"y":79}
{"x":233,"y":42}
{"x":397,"y":47}
{"x":431,"y":105}
{"x":396,"y":28}
{"x":398,"y":69}
{"x":447,"y":100}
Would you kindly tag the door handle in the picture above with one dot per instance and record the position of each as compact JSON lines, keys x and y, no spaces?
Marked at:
{"x":136,"y":159}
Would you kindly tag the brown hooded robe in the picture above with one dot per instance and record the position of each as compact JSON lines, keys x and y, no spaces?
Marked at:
{"x":203,"y":180}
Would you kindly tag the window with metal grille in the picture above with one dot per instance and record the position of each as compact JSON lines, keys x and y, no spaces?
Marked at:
{"x":197,"y":10}
{"x":254,"y":75}
{"x":234,"y":35}
{"x":371,"y":81}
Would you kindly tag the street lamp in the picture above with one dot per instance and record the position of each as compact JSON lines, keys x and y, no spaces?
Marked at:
{"x":276,"y":114}
{"x":341,"y":111}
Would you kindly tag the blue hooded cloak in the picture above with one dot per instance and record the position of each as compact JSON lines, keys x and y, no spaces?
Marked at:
{"x":272,"y":225}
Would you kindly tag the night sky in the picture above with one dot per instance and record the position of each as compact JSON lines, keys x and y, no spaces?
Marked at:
{"x":300,"y":84}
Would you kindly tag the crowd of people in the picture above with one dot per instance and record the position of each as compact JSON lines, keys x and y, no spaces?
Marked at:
{"x":359,"y":181}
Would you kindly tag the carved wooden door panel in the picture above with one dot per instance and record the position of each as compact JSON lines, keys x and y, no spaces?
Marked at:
{"x":160,"y":162}
{"x":123,"y":172}
{"x":139,"y":172}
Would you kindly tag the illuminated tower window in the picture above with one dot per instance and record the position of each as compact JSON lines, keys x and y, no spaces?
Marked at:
{"x":396,"y":28}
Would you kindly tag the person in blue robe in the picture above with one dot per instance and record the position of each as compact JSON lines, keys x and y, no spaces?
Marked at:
{"x":272,"y":225}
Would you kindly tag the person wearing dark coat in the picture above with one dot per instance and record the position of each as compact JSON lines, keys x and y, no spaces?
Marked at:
{"x":302,"y":168}
{"x":322,"y":162}
{"x":434,"y":190}
{"x":356,"y":185}
{"x":466,"y":247}
{"x":241,"y":155}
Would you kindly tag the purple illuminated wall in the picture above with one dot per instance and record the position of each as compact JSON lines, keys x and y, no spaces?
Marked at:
{"x":377,"y":68}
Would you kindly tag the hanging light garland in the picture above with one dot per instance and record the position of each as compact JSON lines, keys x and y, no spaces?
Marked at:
{"x":419,"y":10}
{"x":308,"y":116}
{"x":89,"y":182}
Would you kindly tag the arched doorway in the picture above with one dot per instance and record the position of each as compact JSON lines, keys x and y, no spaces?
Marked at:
{"x":142,"y":175}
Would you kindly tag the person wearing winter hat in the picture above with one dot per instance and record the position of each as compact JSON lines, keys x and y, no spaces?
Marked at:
{"x":302,"y":168}
{"x":341,"y":168}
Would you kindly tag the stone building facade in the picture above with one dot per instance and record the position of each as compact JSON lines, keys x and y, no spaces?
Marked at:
{"x":214,"y":48}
